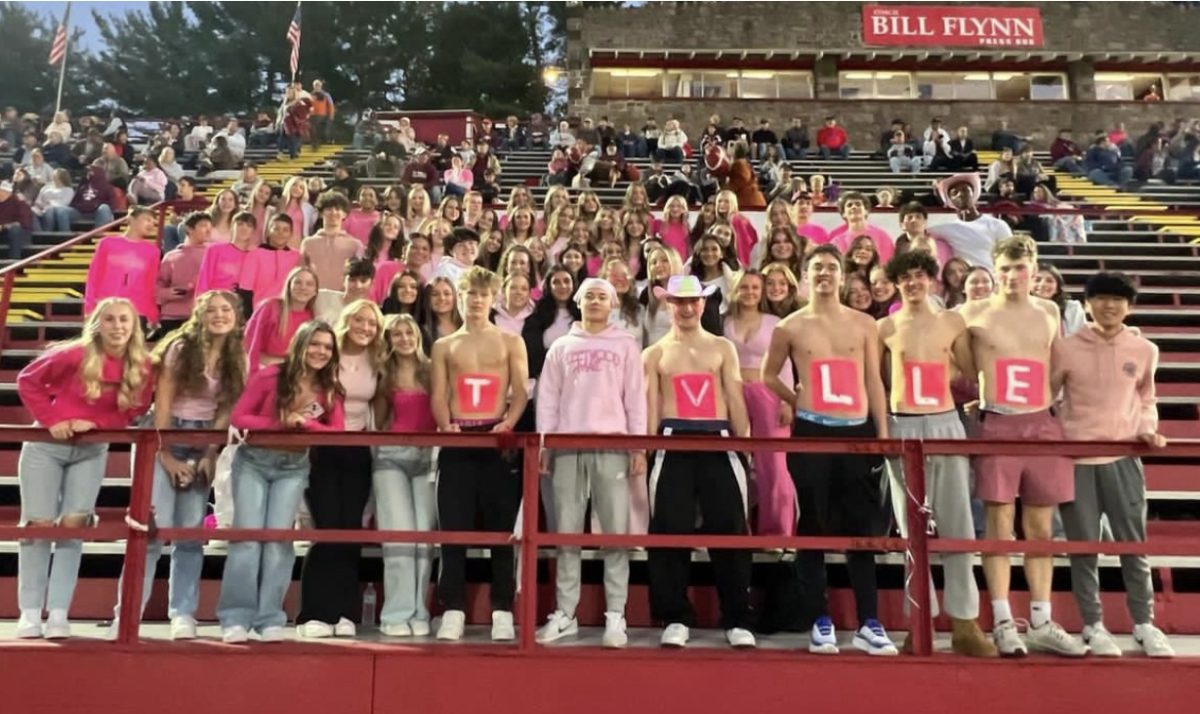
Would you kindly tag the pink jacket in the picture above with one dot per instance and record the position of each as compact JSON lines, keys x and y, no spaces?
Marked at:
{"x":256,"y":408}
{"x":815,"y":233}
{"x":677,"y":236}
{"x":592,"y":384}
{"x":744,"y":237}
{"x":124,"y":267}
{"x":262,"y":332}
{"x":385,"y":273}
{"x":178,"y":271}
{"x":221,"y":267}
{"x":265,"y":270}
{"x":884,"y":245}
{"x":1107,"y":387}
{"x":51,"y":389}
{"x":359,"y":224}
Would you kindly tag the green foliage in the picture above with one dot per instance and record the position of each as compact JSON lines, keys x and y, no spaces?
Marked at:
{"x":28,"y":82}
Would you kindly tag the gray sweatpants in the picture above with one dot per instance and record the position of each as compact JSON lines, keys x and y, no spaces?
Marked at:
{"x":1118,"y":490}
{"x":948,"y":496}
{"x":602,"y":475}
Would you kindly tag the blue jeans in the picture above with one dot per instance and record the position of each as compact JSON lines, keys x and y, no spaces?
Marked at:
{"x":842,"y":152}
{"x":290,"y":143}
{"x":17,"y":239}
{"x":673,"y":156}
{"x":174,"y":508}
{"x":267,"y":487}
{"x":405,"y":501}
{"x":61,"y":217}
{"x":1069,"y":164}
{"x":58,"y":480}
{"x":795,"y":154}
{"x":1123,"y":175}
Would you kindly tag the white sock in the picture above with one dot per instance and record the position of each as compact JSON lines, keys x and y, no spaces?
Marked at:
{"x":1039,"y":613}
{"x":1001,"y":610}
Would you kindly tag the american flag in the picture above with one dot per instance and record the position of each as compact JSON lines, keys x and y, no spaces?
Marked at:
{"x":293,"y":36}
{"x":58,"y":50}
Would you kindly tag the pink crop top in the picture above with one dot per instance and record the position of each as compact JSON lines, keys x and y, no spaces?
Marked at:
{"x":411,"y":412}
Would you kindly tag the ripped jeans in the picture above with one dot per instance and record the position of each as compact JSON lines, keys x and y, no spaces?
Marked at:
{"x":57,"y":480}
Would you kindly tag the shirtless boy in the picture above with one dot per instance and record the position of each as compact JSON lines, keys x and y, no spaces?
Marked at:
{"x":835,"y":351}
{"x":478,"y":377}
{"x":924,"y":344}
{"x":694,"y":386}
{"x":1011,"y":337}
{"x":327,"y":250}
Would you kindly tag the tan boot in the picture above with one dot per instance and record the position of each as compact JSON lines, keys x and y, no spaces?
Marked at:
{"x":967,"y":639}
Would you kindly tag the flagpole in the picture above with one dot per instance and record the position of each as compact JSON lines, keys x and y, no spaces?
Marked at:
{"x":62,"y":70}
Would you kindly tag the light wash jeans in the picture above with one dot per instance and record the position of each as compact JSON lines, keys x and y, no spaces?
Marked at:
{"x":405,"y":501}
{"x":267,"y":487}
{"x":177,"y":509}
{"x":59,"y":218}
{"x":57,"y":479}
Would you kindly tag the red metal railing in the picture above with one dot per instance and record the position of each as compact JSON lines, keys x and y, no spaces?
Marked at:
{"x":911,"y":453}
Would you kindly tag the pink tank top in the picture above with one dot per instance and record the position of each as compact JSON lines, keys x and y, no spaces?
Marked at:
{"x":411,"y":411}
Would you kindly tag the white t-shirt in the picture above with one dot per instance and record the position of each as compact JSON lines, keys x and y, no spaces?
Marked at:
{"x":972,"y":240}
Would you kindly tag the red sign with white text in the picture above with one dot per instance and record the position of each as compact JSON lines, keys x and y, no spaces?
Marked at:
{"x":834,"y":385}
{"x":478,"y":393}
{"x":952,"y":26}
{"x":695,"y":395}
{"x":925,"y":384}
{"x":1020,"y":383}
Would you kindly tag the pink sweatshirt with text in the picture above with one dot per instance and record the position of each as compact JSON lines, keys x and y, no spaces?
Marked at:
{"x":51,"y":388}
{"x":124,"y":267}
{"x":1107,"y":387}
{"x":592,"y":384}
{"x":256,"y":408}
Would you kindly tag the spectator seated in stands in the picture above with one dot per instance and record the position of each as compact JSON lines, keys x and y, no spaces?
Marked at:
{"x":656,"y":182}
{"x":262,"y":131}
{"x":489,"y":187}
{"x":93,"y":199}
{"x":115,"y":168}
{"x":1003,"y":167}
{"x":1120,"y":139}
{"x":56,"y":151}
{"x":538,"y":131}
{"x":672,"y":142}
{"x":150,"y":185}
{"x":935,"y":146}
{"x":901,"y":157}
{"x":1004,"y":138}
{"x":962,"y":151}
{"x":632,"y":144}
{"x":832,"y":140}
{"x":217,"y":156}
{"x":1065,"y":154}
{"x":588,"y":132}
{"x":762,"y":138}
{"x":198,"y":137}
{"x":769,"y":167}
{"x":1057,"y":227}
{"x":38,"y":169}
{"x":367,"y":131}
{"x":562,"y":137}
{"x":1103,"y":164}
{"x":236,"y":140}
{"x":795,"y":141}
{"x":344,"y":181}
{"x":56,"y":194}
{"x":651,"y":133}
{"x":169,"y":166}
{"x":88,"y":150}
{"x":245,"y":184}
{"x":389,"y":153}
{"x":513,"y":135}
{"x":16,"y":221}
{"x":1030,"y":173}
{"x":123,"y":147}
{"x":787,"y":185}
{"x":458,"y":180}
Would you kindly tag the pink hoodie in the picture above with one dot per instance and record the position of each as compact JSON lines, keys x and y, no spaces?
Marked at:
{"x":265,"y":270}
{"x":359,"y":224}
{"x":592,"y":384}
{"x":262,"y":332}
{"x":179,"y":270}
{"x":51,"y":389}
{"x":221,"y":267}
{"x":255,"y":409}
{"x":884,"y":245}
{"x":124,"y":267}
{"x":1107,"y":387}
{"x":677,"y":236}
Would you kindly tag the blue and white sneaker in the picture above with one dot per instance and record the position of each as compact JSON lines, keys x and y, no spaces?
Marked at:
{"x":824,"y":639}
{"x":872,"y":639}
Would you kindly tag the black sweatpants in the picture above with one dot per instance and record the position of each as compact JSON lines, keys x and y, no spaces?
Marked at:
{"x":713,"y":482}
{"x":839,"y":495}
{"x":339,"y":485}
{"x":474,"y":485}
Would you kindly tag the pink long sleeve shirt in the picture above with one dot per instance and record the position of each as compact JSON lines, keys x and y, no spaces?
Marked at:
{"x":256,"y":408}
{"x":176,"y":286}
{"x":263,"y":338}
{"x":127,"y":268}
{"x":884,"y":245}
{"x":1107,"y":387}
{"x":221,"y":267}
{"x":592,"y":384}
{"x":359,"y":224}
{"x":265,"y":270}
{"x":51,"y":388}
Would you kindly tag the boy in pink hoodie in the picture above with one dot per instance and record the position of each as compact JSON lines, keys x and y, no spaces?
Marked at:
{"x":178,"y":271}
{"x":127,"y":266}
{"x":1106,"y":373}
{"x":221,"y":267}
{"x":266,"y":267}
{"x":592,"y":383}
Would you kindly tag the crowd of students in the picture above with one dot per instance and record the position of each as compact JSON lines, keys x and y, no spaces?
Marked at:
{"x":402,"y":313}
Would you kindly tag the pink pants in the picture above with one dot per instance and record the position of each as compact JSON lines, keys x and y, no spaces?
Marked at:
{"x":776,"y":494}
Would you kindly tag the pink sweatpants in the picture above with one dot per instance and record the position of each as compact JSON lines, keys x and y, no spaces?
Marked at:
{"x":773,"y":483}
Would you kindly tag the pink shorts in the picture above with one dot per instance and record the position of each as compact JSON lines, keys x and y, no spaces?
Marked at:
{"x":1038,"y":480}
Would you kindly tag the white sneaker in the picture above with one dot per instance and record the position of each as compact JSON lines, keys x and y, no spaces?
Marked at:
{"x":315,"y":629}
{"x":502,"y":626}
{"x":345,"y":628}
{"x":1100,"y":641}
{"x":1051,"y":638}
{"x":1008,"y":640}
{"x":29,"y":627}
{"x":557,"y":626}
{"x":234,"y":635}
{"x":420,"y":628}
{"x":183,"y":627}
{"x":675,"y":635}
{"x":873,"y":639}
{"x":824,"y":638}
{"x":453,"y":622}
{"x":740,"y":638}
{"x":58,"y":627}
{"x":399,"y":629}
{"x":1152,"y":641}
{"x":614,"y":630}
{"x":272,"y":634}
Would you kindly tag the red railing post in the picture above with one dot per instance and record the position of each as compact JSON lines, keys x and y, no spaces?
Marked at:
{"x":919,"y":620}
{"x":6,"y":299}
{"x":140,"y":494}
{"x":530,"y":472}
